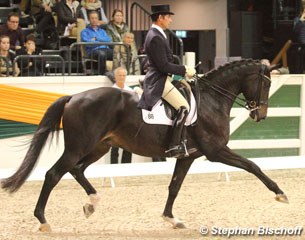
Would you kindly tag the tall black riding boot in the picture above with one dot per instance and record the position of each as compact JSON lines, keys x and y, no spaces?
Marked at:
{"x":177,"y":145}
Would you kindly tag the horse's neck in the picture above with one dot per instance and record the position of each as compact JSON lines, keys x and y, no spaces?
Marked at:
{"x":222,"y":98}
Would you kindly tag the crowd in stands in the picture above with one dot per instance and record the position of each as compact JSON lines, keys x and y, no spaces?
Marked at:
{"x":52,"y":20}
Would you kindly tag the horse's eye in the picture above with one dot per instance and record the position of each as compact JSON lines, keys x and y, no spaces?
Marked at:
{"x":267,"y":84}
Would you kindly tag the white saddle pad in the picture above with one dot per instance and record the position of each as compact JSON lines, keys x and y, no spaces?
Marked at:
{"x":158,"y":115}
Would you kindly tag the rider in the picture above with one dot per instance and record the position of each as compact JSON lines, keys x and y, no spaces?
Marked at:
{"x":157,"y":82}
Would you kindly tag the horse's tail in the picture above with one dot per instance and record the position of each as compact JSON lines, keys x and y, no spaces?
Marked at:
{"x":50,"y":123}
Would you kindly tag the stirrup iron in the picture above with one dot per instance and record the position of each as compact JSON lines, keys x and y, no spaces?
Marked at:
{"x":173,"y":148}
{"x":185,"y":148}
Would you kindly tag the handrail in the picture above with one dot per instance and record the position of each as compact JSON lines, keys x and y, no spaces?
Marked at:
{"x":6,"y":59}
{"x":58,"y":57}
{"x":285,"y":11}
{"x":146,"y":13}
{"x":77,"y":44}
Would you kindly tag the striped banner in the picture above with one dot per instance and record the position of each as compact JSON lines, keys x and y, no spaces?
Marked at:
{"x":24,"y":105}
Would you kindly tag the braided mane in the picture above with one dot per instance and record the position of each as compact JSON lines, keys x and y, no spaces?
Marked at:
{"x":230,"y":68}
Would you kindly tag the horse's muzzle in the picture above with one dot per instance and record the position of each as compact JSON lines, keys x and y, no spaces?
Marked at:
{"x":260,"y":113}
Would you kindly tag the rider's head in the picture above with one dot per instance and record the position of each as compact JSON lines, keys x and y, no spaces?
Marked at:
{"x":161,"y":15}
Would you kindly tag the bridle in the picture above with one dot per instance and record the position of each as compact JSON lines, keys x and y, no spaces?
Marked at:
{"x":250,"y":105}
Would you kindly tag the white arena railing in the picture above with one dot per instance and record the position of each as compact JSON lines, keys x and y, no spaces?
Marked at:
{"x":13,"y":149}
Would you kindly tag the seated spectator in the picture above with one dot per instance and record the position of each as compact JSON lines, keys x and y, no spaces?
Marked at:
{"x":94,"y":5}
{"x":30,"y":66}
{"x":70,"y":22}
{"x":43,"y":11}
{"x":299,"y":28}
{"x":120,"y":78}
{"x":7,"y":58}
{"x":24,"y":7}
{"x":120,"y":55}
{"x":117,"y":27}
{"x":13,"y":31}
{"x":94,"y":34}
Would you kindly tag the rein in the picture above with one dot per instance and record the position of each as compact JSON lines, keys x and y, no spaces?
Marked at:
{"x":249,"y":105}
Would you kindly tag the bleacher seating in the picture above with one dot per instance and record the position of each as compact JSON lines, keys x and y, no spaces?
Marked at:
{"x":4,"y":12}
{"x":75,"y":61}
{"x":5,"y":3}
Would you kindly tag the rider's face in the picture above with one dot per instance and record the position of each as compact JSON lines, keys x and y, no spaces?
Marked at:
{"x":165,"y":21}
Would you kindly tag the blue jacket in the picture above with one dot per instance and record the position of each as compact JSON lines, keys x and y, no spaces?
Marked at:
{"x":91,"y":35}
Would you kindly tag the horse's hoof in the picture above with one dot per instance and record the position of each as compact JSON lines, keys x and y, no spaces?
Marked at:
{"x":176,"y":223}
{"x":180,"y":225}
{"x":281,"y":198}
{"x":45,"y":227}
{"x":88,"y":210}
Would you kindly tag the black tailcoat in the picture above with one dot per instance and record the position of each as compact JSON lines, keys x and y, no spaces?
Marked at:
{"x":160,"y":58}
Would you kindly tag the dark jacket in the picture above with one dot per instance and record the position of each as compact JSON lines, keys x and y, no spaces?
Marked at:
{"x":16,"y":36}
{"x":299,"y":30}
{"x":30,"y":66}
{"x":66,"y":16}
{"x":161,"y":64}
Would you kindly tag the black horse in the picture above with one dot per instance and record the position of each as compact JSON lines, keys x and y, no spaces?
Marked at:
{"x":95,"y":120}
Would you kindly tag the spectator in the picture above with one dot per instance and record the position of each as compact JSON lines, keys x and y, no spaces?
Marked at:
{"x":24,"y":7}
{"x":94,"y":34}
{"x":30,"y":66}
{"x":116,"y":27}
{"x":120,"y":74}
{"x":42,"y":10}
{"x":13,"y":31}
{"x":70,"y":19}
{"x":299,"y":28}
{"x":120,"y":55}
{"x":70,"y":22}
{"x":7,"y":58}
{"x":94,"y":5}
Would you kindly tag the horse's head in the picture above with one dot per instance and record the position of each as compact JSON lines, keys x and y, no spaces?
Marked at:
{"x":256,"y":92}
{"x":247,"y":76}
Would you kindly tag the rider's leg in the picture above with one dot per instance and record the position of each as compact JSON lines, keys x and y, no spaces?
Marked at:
{"x":173,"y":96}
{"x":176,"y":99}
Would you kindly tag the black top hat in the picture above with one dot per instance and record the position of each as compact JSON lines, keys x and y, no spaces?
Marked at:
{"x":161,"y":9}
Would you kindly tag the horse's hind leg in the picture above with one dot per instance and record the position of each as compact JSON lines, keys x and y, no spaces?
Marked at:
{"x":181,"y":169}
{"x":65,"y":163}
{"x":228,"y":157}
{"x":78,"y":173}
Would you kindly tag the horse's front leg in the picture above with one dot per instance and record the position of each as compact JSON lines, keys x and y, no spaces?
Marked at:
{"x":228,"y":157}
{"x":181,"y":168}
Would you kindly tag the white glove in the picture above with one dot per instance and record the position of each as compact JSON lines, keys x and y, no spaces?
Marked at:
{"x":189,"y":71}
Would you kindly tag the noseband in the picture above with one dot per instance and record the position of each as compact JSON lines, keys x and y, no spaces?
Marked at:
{"x":256,"y":103}
{"x":250,"y":105}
